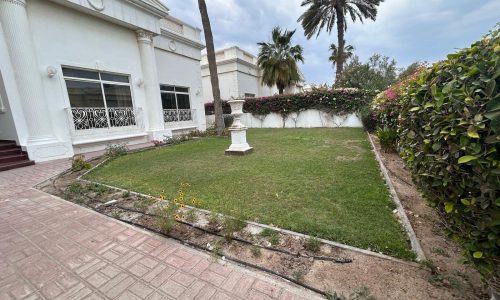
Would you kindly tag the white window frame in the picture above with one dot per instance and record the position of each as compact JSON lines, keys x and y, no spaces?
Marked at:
{"x":175,"y":93}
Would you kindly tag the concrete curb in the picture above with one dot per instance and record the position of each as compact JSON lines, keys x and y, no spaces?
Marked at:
{"x":415,"y":244}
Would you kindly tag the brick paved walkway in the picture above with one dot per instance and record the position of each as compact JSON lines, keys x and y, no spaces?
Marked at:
{"x":53,"y":249}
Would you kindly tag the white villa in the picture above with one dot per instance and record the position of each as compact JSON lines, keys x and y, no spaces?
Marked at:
{"x":239,"y":76}
{"x":76,"y":75}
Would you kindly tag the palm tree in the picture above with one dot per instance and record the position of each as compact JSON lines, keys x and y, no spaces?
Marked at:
{"x":212,"y":67}
{"x":348,"y":53}
{"x":278,"y":60}
{"x":326,"y":13}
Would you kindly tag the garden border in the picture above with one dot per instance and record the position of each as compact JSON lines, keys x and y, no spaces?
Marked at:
{"x":284,"y":231}
{"x":415,"y":244}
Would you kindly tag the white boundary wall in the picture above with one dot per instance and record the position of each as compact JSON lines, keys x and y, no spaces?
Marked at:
{"x":305,"y":119}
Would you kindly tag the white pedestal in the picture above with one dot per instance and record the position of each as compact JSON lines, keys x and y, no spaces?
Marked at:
{"x":239,"y":145}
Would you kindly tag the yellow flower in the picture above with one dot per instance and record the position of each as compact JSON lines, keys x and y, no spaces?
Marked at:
{"x":176,"y":200}
{"x":182,"y":205}
{"x":177,"y":217}
{"x":193,"y":200}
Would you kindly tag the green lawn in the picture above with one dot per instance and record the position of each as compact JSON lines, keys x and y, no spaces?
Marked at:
{"x":322,"y":182}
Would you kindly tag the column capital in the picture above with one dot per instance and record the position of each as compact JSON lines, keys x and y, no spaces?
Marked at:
{"x":16,"y":2}
{"x":144,"y":36}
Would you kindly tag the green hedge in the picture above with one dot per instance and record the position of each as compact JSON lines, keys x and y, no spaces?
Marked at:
{"x":449,"y":130}
{"x":336,"y":101}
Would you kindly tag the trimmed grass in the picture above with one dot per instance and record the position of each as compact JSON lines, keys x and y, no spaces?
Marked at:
{"x":323,"y":182}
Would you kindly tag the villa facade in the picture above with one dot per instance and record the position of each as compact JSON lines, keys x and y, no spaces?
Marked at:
{"x":239,"y":76}
{"x":76,"y":75}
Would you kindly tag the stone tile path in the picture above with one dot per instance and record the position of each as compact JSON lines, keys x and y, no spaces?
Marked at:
{"x":53,"y":249}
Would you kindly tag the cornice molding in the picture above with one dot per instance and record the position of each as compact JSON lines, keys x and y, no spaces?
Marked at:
{"x":232,"y":60}
{"x":182,"y":39}
{"x":16,"y":2}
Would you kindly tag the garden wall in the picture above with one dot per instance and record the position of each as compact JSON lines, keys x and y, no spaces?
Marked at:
{"x":305,"y":119}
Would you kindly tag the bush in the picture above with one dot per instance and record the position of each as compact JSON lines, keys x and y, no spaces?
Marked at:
{"x":336,"y":101}
{"x":388,"y":139}
{"x":368,"y":118}
{"x":450,"y":139}
{"x":113,"y":151}
{"x":79,"y":163}
{"x":228,"y":121}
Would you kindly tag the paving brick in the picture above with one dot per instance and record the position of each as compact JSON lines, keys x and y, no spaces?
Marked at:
{"x":243,"y":285}
{"x":267,"y":288}
{"x":97,"y":279}
{"x":148,"y":262}
{"x":141,"y":290}
{"x":212,"y":277}
{"x":256,"y":295}
{"x":51,"y":290}
{"x":138,"y":270}
{"x":222,"y":296}
{"x":193,"y":290}
{"x":183,"y":278}
{"x":162,"y":277}
{"x":172,"y":288}
{"x":231,"y":281}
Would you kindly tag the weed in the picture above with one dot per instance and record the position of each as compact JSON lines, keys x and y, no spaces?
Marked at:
{"x":361,"y":293}
{"x":232,"y":225}
{"x":217,"y":246}
{"x":116,"y":214}
{"x":97,"y":188}
{"x":191,"y":216}
{"x":74,"y":190}
{"x":335,"y":296}
{"x":143,"y":203}
{"x":388,"y":139}
{"x":79,"y":163}
{"x":436,"y":279}
{"x":214,"y":219}
{"x":428,"y":264}
{"x":272,"y":236}
{"x":166,"y":217}
{"x":455,"y":283}
{"x":255,"y":251}
{"x":126,"y":194}
{"x":312,"y":244}
{"x":439,"y":251}
{"x":298,"y":275}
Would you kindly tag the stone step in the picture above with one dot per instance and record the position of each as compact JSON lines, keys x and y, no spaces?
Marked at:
{"x":11,"y":158}
{"x":15,"y":164}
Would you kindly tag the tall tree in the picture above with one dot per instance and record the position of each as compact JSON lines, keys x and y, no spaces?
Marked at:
{"x":348,"y":53}
{"x":378,"y":73}
{"x":326,"y":13}
{"x":212,"y":67}
{"x":278,"y":60}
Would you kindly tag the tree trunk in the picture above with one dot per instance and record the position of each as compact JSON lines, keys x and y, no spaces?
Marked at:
{"x":212,"y":67}
{"x":340,"y":51}
{"x":280,"y":89}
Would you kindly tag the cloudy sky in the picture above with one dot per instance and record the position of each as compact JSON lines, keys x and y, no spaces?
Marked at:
{"x":406,"y":30}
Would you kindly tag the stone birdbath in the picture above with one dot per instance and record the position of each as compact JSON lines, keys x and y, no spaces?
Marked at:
{"x":239,"y":145}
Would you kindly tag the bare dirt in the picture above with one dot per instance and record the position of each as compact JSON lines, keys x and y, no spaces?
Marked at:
{"x":443,"y":278}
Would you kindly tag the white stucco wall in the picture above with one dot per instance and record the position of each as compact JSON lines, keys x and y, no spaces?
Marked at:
{"x":307,"y":119}
{"x":63,"y":36}
{"x":184,"y":71}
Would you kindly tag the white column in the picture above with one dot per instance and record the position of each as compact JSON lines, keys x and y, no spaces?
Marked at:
{"x":17,"y":33}
{"x":151,"y":84}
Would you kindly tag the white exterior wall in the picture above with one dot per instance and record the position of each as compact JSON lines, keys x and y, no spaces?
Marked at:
{"x":64,"y":36}
{"x":72,"y":33}
{"x":181,"y":67}
{"x":307,"y":119}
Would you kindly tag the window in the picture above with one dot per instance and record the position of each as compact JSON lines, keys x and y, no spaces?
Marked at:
{"x":99,"y":99}
{"x":249,"y":95}
{"x":175,"y":102}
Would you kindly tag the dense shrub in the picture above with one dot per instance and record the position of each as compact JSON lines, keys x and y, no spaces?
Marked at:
{"x":336,"y":101}
{"x":228,"y":120}
{"x":368,"y":118}
{"x":450,"y":138}
{"x":388,"y":139}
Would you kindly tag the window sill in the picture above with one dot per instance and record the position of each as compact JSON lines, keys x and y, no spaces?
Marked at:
{"x":108,"y":138}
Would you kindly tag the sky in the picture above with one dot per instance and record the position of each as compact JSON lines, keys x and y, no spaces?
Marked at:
{"x":406,"y":30}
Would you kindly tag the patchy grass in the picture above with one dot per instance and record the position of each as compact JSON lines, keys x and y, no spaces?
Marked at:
{"x":322,"y":182}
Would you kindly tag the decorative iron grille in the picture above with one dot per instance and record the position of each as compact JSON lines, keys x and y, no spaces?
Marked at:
{"x":177,"y":115}
{"x":99,"y":117}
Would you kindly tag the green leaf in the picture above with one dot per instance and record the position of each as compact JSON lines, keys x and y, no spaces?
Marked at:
{"x":415,"y":108}
{"x":448,"y":207}
{"x":434,"y":90}
{"x":490,"y":88}
{"x":466,"y":159}
{"x":477,"y":254}
{"x":472,"y":132}
{"x":465,"y":202}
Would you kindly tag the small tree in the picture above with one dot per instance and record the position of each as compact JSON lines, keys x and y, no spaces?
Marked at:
{"x":376,"y":74}
{"x":278,"y":60}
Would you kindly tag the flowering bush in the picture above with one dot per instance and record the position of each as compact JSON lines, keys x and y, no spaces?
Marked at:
{"x":387,"y":104}
{"x":449,"y":135}
{"x":336,"y":101}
